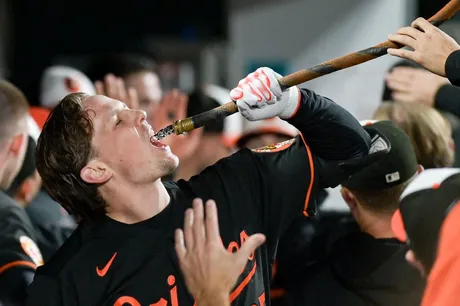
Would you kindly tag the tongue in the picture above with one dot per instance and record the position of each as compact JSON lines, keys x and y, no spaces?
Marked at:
{"x":156,"y":143}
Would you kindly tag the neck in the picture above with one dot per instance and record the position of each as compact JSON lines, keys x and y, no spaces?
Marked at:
{"x":135,"y":203}
{"x":377,"y":225}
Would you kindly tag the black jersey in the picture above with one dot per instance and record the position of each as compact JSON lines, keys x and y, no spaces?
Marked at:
{"x":18,"y":246}
{"x":256,"y":191}
{"x":19,"y":253}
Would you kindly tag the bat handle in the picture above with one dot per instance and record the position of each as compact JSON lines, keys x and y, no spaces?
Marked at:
{"x":202,"y":119}
{"x":215,"y":114}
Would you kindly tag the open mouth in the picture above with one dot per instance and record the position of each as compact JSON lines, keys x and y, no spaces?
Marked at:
{"x":155,"y":142}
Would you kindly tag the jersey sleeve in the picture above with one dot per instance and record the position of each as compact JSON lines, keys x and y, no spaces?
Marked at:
{"x":14,"y":284}
{"x":44,"y":291}
{"x":17,"y":245}
{"x":447,"y":99}
{"x":453,"y":68}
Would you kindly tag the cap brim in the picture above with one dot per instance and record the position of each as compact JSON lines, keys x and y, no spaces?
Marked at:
{"x":397,"y":225}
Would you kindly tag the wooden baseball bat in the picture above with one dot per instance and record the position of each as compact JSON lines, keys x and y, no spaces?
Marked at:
{"x":296,"y":78}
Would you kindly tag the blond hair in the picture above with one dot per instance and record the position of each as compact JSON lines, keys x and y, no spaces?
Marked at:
{"x":429,"y":131}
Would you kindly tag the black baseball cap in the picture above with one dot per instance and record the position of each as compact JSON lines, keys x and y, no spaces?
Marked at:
{"x":396,"y":167}
{"x":200,"y":102}
{"x":424,"y":205}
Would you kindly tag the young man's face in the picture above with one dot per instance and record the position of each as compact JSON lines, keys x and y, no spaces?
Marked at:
{"x":122,"y":139}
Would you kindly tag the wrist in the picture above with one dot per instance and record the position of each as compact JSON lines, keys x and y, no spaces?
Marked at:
{"x":213,"y":299}
{"x":445,"y":98}
{"x":451,"y":63}
{"x":293,"y":96}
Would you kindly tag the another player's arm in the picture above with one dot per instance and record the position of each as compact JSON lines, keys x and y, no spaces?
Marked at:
{"x":446,"y":99}
{"x":43,"y":291}
{"x":453,"y":68}
{"x":17,"y":268}
{"x":14,"y":284}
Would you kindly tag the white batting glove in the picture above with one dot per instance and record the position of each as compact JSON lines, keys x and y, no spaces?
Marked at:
{"x":259,"y":96}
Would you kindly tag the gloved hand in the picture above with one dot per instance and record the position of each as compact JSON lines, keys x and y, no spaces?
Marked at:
{"x":259,"y":96}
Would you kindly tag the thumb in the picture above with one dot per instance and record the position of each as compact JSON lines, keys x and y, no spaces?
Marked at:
{"x":236,"y":94}
{"x":249,"y":246}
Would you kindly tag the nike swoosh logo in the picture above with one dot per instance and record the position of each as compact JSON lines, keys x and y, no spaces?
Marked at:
{"x":103,"y":272}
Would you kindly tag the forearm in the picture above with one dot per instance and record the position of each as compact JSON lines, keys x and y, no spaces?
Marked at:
{"x":453,"y":68}
{"x":448,"y":99}
{"x":13,"y":286}
{"x":329,"y":130}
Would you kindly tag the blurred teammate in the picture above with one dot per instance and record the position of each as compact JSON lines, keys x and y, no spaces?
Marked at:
{"x":19,"y":254}
{"x":428,"y":220}
{"x":56,"y":83}
{"x":27,"y":182}
{"x":206,"y":146}
{"x":429,"y":132}
{"x":98,"y":159}
{"x":138,"y":73}
{"x":363,"y":262}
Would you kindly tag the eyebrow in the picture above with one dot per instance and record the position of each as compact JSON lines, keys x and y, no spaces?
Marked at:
{"x":117,"y":110}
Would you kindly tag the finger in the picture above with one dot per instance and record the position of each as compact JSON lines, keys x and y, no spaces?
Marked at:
{"x":110,"y":86}
{"x":403,"y":40}
{"x":249,"y":246}
{"x":263,"y":89}
{"x":99,"y":87}
{"x":406,"y":72}
{"x":250,"y":97}
{"x":182,"y":100}
{"x":423,"y":24}
{"x":236,"y":94}
{"x":402,"y":97}
{"x":198,"y":223}
{"x":121,"y":90}
{"x":188,"y":229}
{"x":132,"y":98}
{"x":411,"y":32}
{"x":182,"y":109}
{"x":402,"y":53}
{"x":212,"y":222}
{"x":175,"y":98}
{"x":179,"y":244}
{"x":398,"y":80}
{"x":396,"y":85}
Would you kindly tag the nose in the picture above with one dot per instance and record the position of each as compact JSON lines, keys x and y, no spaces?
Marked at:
{"x":140,"y":116}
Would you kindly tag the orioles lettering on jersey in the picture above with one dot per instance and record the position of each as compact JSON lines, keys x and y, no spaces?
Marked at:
{"x":173,"y":300}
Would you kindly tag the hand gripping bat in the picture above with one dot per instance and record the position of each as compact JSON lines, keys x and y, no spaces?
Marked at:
{"x":296,"y":78}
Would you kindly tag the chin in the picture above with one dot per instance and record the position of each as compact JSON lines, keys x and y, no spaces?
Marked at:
{"x":169,"y":164}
